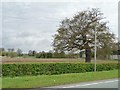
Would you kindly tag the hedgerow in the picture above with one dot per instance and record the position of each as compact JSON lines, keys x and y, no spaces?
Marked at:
{"x":53,"y":68}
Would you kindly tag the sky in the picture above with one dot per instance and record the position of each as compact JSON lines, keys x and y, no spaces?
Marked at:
{"x":30,"y":25}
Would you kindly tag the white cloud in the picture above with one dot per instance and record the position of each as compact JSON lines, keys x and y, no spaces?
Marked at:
{"x":59,"y":0}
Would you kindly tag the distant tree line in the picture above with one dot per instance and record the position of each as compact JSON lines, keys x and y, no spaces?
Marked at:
{"x":51,"y":54}
{"x":101,"y":53}
{"x":10,"y":52}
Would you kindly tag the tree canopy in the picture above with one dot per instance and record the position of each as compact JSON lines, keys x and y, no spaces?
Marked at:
{"x":78,"y":33}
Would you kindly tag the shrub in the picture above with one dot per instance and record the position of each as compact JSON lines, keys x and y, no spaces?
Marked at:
{"x":12,"y":54}
{"x":52,"y":68}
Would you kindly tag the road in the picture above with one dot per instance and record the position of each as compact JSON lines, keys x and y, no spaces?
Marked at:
{"x":111,"y":83}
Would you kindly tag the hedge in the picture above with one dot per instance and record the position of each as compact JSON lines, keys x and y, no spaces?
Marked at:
{"x":52,"y":68}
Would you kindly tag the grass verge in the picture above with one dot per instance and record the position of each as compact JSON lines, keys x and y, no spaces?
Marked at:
{"x":52,"y":80}
{"x":0,"y":82}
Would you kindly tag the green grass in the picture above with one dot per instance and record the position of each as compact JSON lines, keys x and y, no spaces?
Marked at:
{"x":52,"y":80}
{"x":0,"y":82}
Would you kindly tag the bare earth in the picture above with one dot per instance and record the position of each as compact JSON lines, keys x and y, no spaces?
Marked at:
{"x":8,"y":60}
{"x":28,"y":60}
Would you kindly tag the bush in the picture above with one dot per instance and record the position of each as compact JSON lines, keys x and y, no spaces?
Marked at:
{"x":52,"y":68}
{"x":55,"y":55}
{"x":12,"y":54}
{"x":44,"y":55}
{"x":4,"y":53}
{"x":58,"y":55}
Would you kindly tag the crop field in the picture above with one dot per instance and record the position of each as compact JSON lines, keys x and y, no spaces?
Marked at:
{"x":7,"y":60}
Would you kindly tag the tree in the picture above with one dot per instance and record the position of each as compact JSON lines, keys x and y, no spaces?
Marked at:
{"x":119,"y":45}
{"x":116,"y":49}
{"x":30,"y":52}
{"x":34,"y":52}
{"x":49,"y":54}
{"x":2,"y":49}
{"x":19,"y":52}
{"x":10,"y":49}
{"x":42,"y":54}
{"x":12,"y":54}
{"x":77,"y":33}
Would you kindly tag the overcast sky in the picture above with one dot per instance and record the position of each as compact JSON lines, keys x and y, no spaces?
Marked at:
{"x":31,"y":25}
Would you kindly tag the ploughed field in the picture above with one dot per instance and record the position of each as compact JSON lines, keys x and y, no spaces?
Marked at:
{"x":8,"y":60}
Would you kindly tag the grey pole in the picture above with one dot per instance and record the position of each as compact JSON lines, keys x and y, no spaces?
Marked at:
{"x":95,"y":53}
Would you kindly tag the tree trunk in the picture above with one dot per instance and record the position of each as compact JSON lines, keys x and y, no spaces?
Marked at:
{"x":87,"y":49}
{"x":88,"y":55}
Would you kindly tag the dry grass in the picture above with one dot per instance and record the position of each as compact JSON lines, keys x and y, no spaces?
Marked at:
{"x":7,"y":60}
{"x":35,"y":60}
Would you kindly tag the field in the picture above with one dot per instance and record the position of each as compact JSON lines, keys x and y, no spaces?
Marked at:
{"x":52,"y":80}
{"x":6,"y":60}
